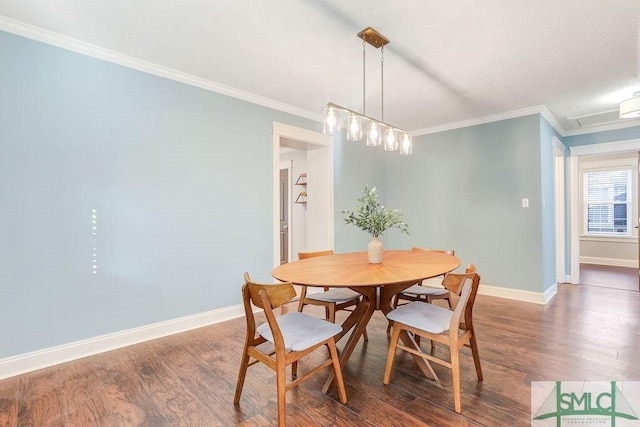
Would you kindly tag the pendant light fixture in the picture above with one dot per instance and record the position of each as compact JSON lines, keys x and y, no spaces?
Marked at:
{"x":377,"y":131}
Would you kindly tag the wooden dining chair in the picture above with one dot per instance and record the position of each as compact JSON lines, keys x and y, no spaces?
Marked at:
{"x":332,"y":299}
{"x":294,"y":335}
{"x":419,"y":292}
{"x":453,"y":328}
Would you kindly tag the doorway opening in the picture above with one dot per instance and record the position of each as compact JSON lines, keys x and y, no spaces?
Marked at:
{"x":315,"y":231}
{"x":603,"y":260}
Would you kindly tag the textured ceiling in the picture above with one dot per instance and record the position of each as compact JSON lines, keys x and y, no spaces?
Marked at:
{"x":448,"y":61}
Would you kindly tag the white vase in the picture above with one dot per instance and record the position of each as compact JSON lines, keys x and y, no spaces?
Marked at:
{"x":375,"y":249}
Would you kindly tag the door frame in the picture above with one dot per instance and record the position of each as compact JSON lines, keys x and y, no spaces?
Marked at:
{"x":315,"y":140}
{"x":559,"y":196}
{"x":574,"y":196}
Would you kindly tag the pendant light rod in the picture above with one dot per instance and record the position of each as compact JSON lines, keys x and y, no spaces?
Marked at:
{"x":364,"y":79}
{"x":374,"y":38}
{"x":382,"y":81}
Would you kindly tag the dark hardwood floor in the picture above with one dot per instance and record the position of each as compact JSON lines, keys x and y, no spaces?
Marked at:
{"x":609,"y":276}
{"x":584,"y":333}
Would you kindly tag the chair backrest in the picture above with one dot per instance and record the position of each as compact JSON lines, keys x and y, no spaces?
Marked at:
{"x":277,"y":293}
{"x":453,"y":282}
{"x":465,"y":286}
{"x":442,"y":251}
{"x":267,"y":297}
{"x":304,"y":255}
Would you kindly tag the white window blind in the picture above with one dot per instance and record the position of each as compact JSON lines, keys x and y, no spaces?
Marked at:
{"x":607,"y":202}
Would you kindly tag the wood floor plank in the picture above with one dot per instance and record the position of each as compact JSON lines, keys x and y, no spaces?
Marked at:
{"x":84,"y":396}
{"x":131,"y":405}
{"x":41,"y":401}
{"x":371,"y":408}
{"x":206,"y":382}
{"x":322,"y":411}
{"x":9,"y":402}
{"x":179,"y":405}
{"x":95,"y":411}
{"x":78,"y":382}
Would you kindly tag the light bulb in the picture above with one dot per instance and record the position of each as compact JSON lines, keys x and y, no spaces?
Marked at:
{"x":390,"y":141}
{"x":330,"y":120}
{"x":406,"y":146}
{"x":354,"y":127}
{"x":373,"y":134}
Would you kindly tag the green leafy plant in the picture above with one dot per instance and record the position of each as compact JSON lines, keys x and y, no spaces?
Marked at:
{"x":371,"y":216}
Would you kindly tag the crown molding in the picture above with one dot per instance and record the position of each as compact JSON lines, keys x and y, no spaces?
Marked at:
{"x":552,"y":120}
{"x":540,"y":109}
{"x":35,"y":33}
{"x":29,"y":31}
{"x":627,"y":123}
{"x":605,"y":148}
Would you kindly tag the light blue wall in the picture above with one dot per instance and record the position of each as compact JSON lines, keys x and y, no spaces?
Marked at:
{"x":356,"y":166}
{"x":462,"y":189}
{"x":181,"y":179}
{"x":606,"y":136}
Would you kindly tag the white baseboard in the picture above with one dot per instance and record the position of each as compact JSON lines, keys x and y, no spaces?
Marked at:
{"x":514,"y":294}
{"x":435,"y":282}
{"x":615,"y":262}
{"x":39,"y":359}
{"x":549,"y":293}
{"x":517,"y":294}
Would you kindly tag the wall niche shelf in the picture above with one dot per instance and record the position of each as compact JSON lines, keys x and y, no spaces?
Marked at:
{"x":302,"y":197}
{"x":302,"y":179}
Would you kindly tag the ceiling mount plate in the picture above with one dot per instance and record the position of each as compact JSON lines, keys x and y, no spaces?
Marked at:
{"x":373,"y":37}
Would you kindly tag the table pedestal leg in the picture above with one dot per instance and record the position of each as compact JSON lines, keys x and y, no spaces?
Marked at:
{"x":358,"y":318}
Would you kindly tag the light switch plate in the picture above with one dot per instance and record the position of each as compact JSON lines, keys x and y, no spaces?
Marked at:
{"x":525,"y":203}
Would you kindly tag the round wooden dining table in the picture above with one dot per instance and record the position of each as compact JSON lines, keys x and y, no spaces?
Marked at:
{"x":377,"y":283}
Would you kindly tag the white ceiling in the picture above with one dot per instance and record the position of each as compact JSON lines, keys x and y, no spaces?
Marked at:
{"x":448,"y":61}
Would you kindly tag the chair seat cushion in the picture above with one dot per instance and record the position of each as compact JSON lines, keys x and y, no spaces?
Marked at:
{"x":419,"y":290}
{"x":300,"y":331}
{"x":337,"y":295}
{"x":424,"y":316}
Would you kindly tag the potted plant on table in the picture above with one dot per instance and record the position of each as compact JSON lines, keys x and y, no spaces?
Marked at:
{"x":371,"y":216}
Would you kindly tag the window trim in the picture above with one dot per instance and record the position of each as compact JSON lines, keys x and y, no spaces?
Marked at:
{"x":629,"y":202}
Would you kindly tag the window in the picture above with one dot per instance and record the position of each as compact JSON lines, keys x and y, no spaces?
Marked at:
{"x":607,"y":196}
